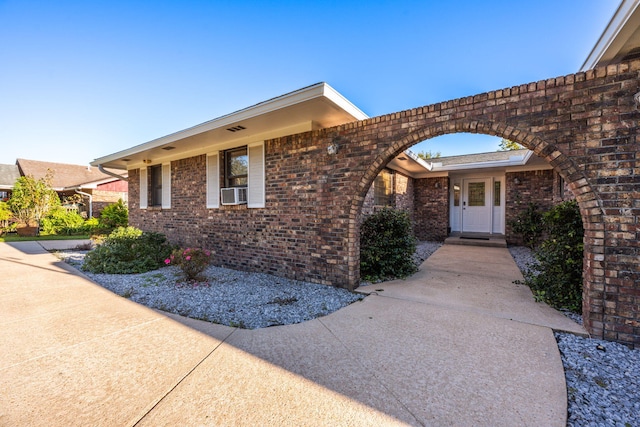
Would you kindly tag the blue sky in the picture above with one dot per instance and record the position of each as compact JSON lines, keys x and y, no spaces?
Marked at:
{"x":84,"y":79}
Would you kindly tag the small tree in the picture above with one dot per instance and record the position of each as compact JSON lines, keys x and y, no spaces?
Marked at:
{"x":428,"y":155}
{"x":506,"y":145}
{"x":32,"y":199}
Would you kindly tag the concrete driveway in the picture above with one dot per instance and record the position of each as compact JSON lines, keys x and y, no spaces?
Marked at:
{"x":457,"y":344}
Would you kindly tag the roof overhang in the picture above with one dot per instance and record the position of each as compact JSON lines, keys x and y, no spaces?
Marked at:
{"x":620,"y":38}
{"x":516,"y":160}
{"x":314,"y":107}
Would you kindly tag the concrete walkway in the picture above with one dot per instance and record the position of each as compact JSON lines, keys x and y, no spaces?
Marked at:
{"x":409,"y":354}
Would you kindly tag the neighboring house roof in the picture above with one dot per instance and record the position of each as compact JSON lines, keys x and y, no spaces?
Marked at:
{"x":621,"y":38}
{"x":9,"y":174}
{"x":313,"y":107}
{"x":65,"y":176}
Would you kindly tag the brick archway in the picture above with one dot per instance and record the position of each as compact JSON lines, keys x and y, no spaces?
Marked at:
{"x":590,"y":205}
{"x":584,"y":125}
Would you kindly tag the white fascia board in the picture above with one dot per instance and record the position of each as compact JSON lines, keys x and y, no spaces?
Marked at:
{"x":512,"y":161}
{"x":274,"y":104}
{"x":342,"y":102}
{"x":610,"y":34}
{"x":418,"y":160}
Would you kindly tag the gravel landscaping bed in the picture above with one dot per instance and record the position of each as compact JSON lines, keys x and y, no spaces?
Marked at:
{"x":231,"y":297}
{"x":603,"y":378}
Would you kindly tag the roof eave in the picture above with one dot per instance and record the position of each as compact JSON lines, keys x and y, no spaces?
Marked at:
{"x":301,"y":95}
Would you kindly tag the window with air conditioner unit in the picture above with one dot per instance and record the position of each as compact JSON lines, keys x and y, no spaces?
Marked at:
{"x":234,"y":196}
{"x":236,"y":177}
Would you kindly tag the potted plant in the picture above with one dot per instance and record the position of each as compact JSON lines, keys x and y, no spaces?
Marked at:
{"x":31,"y":200}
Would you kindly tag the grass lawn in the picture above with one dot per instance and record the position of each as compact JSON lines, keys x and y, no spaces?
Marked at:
{"x":16,"y":238}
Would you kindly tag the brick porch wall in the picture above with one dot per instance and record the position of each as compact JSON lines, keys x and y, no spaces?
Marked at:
{"x":432,"y":208}
{"x":531,"y":187}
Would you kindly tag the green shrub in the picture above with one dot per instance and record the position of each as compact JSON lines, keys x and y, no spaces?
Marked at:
{"x":128,"y":250}
{"x":528,"y":224}
{"x":557,"y":280}
{"x":114,"y":215}
{"x":192,"y":261}
{"x":62,"y":221}
{"x":387,"y":245}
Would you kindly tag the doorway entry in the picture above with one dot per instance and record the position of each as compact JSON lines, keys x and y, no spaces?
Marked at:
{"x":477,"y":204}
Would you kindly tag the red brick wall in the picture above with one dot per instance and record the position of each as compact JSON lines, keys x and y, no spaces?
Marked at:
{"x":432,"y":208}
{"x":522,"y":188}
{"x":404,"y":193}
{"x":403,"y":196}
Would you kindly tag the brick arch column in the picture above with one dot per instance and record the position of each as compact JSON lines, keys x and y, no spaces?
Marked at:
{"x":589,"y":203}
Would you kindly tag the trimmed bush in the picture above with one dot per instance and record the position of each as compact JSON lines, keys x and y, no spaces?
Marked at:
{"x":528,"y":224}
{"x":128,"y":250}
{"x":557,"y":279}
{"x":387,"y":245}
{"x":114,"y":215}
{"x":62,"y":221}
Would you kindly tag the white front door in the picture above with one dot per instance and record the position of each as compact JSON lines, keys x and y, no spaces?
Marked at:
{"x":476,"y":205}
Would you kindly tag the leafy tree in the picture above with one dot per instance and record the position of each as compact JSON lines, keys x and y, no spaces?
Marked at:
{"x":427,"y":155}
{"x":5,"y":212}
{"x":506,"y":145}
{"x":32,"y":199}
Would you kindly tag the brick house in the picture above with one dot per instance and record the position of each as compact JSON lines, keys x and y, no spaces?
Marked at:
{"x":199,"y":186}
{"x":280,"y":187}
{"x":94,"y":188}
{"x":9,"y":174}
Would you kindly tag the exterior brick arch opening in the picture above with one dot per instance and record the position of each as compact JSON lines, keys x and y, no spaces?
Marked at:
{"x":584,"y":125}
{"x":577,"y":183}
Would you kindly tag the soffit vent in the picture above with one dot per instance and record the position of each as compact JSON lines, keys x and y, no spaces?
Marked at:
{"x":168,"y":148}
{"x":236,"y":128}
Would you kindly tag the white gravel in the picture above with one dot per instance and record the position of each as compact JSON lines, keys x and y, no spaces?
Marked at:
{"x":603,"y":377}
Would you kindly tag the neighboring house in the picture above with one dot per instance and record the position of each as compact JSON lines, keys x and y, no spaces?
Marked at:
{"x":94,"y":188}
{"x":9,"y":174}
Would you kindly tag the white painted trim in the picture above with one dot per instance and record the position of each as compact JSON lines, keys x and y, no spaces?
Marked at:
{"x":256,"y":176}
{"x":511,"y":161}
{"x":213,"y":180}
{"x":166,"y":186}
{"x":613,"y":37}
{"x":144,"y":188}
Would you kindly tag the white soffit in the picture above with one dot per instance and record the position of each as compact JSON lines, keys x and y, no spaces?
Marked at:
{"x":313,"y":107}
{"x":620,"y":37}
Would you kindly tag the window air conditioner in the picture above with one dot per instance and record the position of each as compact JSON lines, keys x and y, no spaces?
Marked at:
{"x":234,"y":196}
